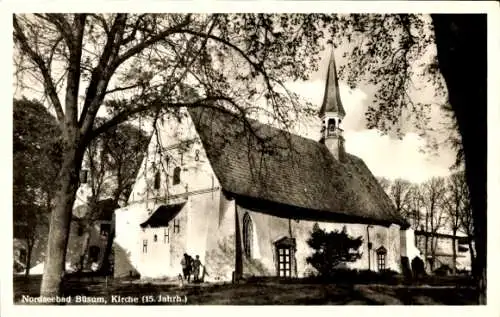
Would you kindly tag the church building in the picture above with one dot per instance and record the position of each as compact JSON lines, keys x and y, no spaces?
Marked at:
{"x":245,"y":198}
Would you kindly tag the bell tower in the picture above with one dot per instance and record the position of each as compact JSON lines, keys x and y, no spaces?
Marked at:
{"x":332,"y":113}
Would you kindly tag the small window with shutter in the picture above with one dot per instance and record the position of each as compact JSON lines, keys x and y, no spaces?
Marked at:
{"x":166,"y":237}
{"x":177,"y":226}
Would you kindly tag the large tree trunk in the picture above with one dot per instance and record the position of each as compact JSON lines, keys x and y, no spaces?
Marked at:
{"x":60,"y":222}
{"x":106,"y":264}
{"x":28,"y":258}
{"x":85,"y":247}
{"x":462,"y":55}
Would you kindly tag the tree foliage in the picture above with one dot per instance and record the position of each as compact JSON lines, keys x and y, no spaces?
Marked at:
{"x":392,"y":52}
{"x":439,"y":205}
{"x":36,"y":162}
{"x":389,"y":51}
{"x":169,"y":60}
{"x":122,"y":66}
{"x":331,"y":249}
{"x":113,"y":160}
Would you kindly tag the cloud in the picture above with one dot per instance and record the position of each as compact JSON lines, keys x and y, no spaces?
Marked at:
{"x":398,"y":158}
{"x":384,"y":155}
{"x":355,"y":101}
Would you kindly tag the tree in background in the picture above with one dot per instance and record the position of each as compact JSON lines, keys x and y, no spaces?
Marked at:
{"x":385,"y":183}
{"x":454,"y":205}
{"x":422,"y":205}
{"x":35,"y":167}
{"x":415,"y":203}
{"x":435,"y":206}
{"x":124,"y":148}
{"x":331,"y":249}
{"x":406,"y":197}
{"x":433,"y":198}
{"x":401,"y":194}
{"x":113,"y":160}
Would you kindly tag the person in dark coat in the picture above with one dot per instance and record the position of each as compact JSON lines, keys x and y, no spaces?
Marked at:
{"x":186,"y":263}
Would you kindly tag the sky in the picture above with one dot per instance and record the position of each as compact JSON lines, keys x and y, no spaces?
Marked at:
{"x":385,"y":155}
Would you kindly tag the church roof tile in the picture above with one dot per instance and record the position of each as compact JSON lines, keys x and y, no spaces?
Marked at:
{"x":261,"y":162}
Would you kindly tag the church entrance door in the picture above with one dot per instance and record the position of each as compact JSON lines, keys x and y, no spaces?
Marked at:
{"x":285,"y":255}
{"x":284,"y":262}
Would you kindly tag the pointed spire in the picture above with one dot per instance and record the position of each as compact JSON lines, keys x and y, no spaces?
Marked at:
{"x":331,"y":99}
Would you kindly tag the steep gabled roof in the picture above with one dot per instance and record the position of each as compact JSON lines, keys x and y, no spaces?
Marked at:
{"x":273,"y":165}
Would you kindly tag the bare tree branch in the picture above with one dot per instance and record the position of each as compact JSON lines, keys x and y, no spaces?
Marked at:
{"x":118,"y":89}
{"x":152,"y":40}
{"x":101,"y":19}
{"x":50,"y":89}
{"x":62,"y":26}
{"x":74,"y":70}
{"x":102,"y":74}
{"x":126,"y":114}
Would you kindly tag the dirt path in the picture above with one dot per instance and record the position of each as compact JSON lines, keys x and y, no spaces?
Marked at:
{"x":265,"y":293}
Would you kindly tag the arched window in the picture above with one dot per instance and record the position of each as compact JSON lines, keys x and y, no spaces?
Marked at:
{"x":247,"y":235}
{"x":177,"y":176}
{"x":157,"y":180}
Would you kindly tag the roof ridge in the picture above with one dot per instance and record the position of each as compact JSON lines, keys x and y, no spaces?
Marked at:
{"x":267,"y":125}
{"x":315,"y":180}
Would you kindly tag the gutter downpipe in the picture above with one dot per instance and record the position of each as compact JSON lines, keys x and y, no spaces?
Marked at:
{"x":369,"y":246}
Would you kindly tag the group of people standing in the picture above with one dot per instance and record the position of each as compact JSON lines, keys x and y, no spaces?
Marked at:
{"x":193,"y":267}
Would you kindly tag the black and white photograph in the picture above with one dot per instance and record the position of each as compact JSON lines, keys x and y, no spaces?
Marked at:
{"x":249,"y":158}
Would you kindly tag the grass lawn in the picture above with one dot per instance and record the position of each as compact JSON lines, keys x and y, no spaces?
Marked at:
{"x":267,"y":292}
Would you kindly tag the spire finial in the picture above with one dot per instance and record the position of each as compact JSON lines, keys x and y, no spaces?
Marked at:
{"x":331,"y":99}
